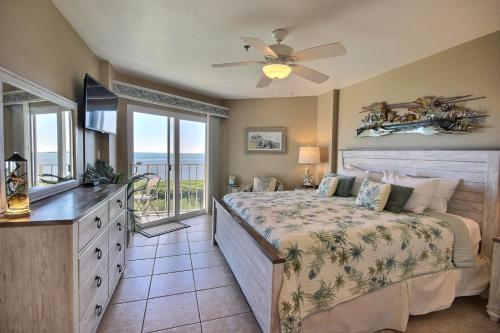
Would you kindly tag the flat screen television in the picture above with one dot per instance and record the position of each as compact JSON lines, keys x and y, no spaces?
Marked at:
{"x":100,"y":106}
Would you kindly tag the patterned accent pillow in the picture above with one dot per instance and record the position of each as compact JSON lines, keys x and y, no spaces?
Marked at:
{"x":264,"y":184}
{"x":328,"y":186}
{"x":373,"y":195}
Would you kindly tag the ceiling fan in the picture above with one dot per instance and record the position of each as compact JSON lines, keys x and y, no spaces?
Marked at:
{"x":281,"y":60}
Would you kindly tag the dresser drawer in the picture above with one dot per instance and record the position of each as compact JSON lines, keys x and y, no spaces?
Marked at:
{"x":89,"y":287}
{"x":117,"y":236}
{"x":117,"y":203}
{"x":91,"y":224}
{"x":94,"y":256}
{"x":115,"y":271}
{"x":95,"y":310}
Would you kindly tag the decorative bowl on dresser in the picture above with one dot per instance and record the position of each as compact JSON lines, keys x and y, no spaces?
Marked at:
{"x":60,"y":266}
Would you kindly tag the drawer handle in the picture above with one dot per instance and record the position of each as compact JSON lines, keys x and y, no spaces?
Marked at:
{"x":119,"y":268}
{"x":98,"y":280}
{"x":119,"y":226}
{"x":120,"y":203}
{"x":119,"y":246}
{"x":98,"y":310}
{"x":99,"y":222}
{"x":99,"y":253}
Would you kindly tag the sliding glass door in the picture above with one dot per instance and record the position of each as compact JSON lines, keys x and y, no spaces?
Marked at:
{"x":191,"y":166}
{"x":169,"y":165}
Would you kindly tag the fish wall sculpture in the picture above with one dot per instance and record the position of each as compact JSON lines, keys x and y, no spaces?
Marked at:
{"x":427,"y":115}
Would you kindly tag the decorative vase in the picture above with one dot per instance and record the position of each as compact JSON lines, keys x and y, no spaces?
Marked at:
{"x":16,"y":186}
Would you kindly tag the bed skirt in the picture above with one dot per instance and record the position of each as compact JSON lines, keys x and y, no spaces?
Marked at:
{"x":390,"y":307}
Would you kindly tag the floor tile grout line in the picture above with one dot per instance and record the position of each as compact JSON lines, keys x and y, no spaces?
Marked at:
{"x":175,"y":294}
{"x":195,"y":293}
{"x":200,"y":322}
{"x":174,"y":255}
{"x":149,"y":289}
{"x":183,"y":270}
{"x":163,"y":329}
{"x":223,"y":317}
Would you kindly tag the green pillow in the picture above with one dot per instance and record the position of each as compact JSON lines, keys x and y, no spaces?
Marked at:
{"x":345,"y":184}
{"x":397,"y":198}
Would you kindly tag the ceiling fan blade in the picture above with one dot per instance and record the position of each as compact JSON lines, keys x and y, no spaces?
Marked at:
{"x":259,"y":46}
{"x":242,"y":63}
{"x":320,"y":52}
{"x":264,"y":82}
{"x":308,"y":73}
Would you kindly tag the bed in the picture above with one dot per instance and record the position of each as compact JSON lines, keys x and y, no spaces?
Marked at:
{"x":408,"y":262}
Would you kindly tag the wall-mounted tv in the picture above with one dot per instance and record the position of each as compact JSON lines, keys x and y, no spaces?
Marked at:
{"x":100,"y":106}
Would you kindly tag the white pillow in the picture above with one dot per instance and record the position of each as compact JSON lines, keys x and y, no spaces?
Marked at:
{"x":376,"y":176}
{"x":328,"y":186}
{"x":423,"y":190}
{"x":360,"y":177}
{"x":444,"y":192}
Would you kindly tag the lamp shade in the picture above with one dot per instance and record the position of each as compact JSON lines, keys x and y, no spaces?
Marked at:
{"x":276,"y":71}
{"x":309,"y":155}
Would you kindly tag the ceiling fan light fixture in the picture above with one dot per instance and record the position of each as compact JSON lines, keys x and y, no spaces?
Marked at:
{"x":276,"y":71}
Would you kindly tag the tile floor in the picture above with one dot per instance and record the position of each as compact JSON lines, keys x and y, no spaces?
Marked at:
{"x":180,"y":283}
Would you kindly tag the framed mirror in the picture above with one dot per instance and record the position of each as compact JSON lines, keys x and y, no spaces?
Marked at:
{"x":41,"y":127}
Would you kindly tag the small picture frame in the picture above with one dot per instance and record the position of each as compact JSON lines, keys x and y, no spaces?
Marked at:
{"x":265,"y":140}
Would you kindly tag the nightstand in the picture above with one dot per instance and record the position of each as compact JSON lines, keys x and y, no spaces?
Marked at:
{"x":233,"y":188}
{"x":493,"y":307}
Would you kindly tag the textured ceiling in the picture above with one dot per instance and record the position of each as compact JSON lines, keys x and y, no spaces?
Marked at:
{"x":174,"y":42}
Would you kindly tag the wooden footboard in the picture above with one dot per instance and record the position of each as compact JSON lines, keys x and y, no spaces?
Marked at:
{"x":257,"y":266}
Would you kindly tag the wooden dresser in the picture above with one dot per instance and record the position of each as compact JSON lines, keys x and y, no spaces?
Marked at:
{"x":59,"y":267}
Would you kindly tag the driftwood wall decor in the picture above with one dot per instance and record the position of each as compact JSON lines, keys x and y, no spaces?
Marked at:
{"x":427,"y":115}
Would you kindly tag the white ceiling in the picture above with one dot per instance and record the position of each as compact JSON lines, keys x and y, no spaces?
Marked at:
{"x":175,"y":41}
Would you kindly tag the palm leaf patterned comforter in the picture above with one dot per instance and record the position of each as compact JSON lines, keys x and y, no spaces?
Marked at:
{"x":336,"y":251}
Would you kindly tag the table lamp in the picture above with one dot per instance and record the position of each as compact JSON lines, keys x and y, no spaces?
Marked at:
{"x":308,"y":155}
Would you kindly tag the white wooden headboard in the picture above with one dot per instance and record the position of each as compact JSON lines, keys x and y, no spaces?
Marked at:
{"x":477,"y":196}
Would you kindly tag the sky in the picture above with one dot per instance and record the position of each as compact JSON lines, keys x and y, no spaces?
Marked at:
{"x":150,"y":134}
{"x":46,"y":132}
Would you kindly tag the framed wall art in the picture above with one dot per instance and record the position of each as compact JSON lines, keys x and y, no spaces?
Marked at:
{"x":265,"y":140}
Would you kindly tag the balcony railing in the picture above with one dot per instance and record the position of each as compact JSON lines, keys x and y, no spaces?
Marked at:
{"x":192,"y":189}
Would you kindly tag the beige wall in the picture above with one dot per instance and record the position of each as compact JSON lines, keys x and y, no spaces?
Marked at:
{"x":38,"y":44}
{"x":471,"y":68}
{"x":297,"y":114}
